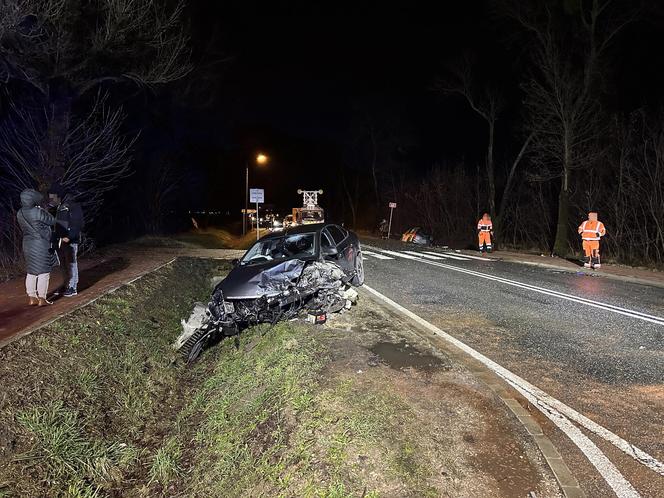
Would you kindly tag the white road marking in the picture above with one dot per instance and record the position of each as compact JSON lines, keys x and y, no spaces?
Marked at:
{"x":561,"y":295}
{"x":376,"y":255}
{"x":464,"y":255}
{"x":400,"y":255}
{"x":447,"y":255}
{"x":424,"y":255}
{"x":553,"y":409}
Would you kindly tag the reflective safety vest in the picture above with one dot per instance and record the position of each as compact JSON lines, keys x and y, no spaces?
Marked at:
{"x":592,"y":230}
{"x":483,"y":226}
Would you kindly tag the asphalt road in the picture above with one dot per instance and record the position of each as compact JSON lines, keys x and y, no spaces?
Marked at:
{"x":593,"y":343}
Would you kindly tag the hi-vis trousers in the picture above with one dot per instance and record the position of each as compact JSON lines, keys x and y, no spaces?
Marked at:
{"x":485,"y":238}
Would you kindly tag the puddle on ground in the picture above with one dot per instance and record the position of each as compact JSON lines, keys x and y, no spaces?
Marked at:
{"x":399,"y":355}
{"x":501,"y":456}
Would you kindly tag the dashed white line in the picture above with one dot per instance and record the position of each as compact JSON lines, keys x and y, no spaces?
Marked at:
{"x":448,"y":255}
{"x":541,"y":290}
{"x":428,"y":256}
{"x":464,"y":255}
{"x":400,"y":255}
{"x":555,"y":410}
{"x":376,"y":255}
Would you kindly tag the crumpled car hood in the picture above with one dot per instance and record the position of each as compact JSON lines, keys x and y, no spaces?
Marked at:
{"x":266,"y":293}
{"x":266,"y":279}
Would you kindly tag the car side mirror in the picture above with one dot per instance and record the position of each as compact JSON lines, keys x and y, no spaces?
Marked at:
{"x":235,"y":262}
{"x":330,"y":251}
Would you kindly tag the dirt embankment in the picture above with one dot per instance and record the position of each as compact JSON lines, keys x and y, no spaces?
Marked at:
{"x":209,"y":238}
{"x":98,"y":404}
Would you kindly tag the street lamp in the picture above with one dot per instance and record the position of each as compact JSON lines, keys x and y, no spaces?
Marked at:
{"x":260,"y":159}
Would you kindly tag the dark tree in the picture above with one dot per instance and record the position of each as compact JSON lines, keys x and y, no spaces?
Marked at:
{"x":56,"y":56}
{"x":59,"y":62}
{"x":569,"y":40}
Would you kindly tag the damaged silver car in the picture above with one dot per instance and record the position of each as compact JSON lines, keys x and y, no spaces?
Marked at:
{"x":307,"y":269}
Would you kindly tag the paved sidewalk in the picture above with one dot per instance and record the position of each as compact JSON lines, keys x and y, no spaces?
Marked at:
{"x":99,"y":275}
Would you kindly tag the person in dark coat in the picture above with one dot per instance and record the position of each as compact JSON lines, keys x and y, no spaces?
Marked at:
{"x":68,"y":234}
{"x":36,"y":224}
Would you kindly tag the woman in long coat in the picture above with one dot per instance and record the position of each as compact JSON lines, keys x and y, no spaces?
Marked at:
{"x":36,"y":224}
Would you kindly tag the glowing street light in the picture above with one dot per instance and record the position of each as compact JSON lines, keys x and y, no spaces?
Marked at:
{"x":261,"y":159}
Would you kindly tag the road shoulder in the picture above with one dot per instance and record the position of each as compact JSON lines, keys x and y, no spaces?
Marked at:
{"x":518,"y":407}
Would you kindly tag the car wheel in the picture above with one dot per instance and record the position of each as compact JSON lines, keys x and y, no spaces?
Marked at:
{"x":358,"y":278}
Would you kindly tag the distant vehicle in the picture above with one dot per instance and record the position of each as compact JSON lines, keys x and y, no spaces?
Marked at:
{"x":288,"y":221}
{"x":417,"y":235}
{"x":308,"y":216}
{"x":310,"y":213}
{"x":277,"y":225}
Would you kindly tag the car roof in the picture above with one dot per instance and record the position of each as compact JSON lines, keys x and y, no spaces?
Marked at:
{"x":311,"y":228}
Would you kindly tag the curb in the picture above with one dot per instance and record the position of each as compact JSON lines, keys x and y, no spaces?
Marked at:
{"x":567,"y":482}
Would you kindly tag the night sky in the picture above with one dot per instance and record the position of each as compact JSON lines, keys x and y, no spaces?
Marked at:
{"x":292,"y":80}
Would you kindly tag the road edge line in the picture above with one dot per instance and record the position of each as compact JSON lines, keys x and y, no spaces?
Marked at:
{"x":607,"y":470}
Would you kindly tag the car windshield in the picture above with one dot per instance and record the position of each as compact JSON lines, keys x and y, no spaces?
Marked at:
{"x":298,"y":245}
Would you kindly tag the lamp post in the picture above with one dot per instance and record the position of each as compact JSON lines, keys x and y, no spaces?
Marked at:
{"x":260,"y":160}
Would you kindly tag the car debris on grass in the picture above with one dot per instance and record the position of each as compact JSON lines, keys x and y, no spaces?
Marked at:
{"x":306,"y":271}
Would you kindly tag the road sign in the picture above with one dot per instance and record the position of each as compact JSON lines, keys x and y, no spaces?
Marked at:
{"x":392,"y":205}
{"x":257,"y":195}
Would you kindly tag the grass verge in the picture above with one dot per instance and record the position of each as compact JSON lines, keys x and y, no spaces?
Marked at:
{"x":89,"y":402}
{"x":274,"y":420}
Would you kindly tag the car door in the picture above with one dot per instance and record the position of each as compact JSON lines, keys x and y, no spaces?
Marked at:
{"x":345,"y":250}
{"x":328,"y":247}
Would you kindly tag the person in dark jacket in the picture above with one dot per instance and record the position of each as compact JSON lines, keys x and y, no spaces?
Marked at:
{"x":68,"y":212}
{"x":36,"y":224}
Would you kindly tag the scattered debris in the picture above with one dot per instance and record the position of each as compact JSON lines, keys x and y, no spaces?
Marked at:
{"x":195,"y":321}
{"x":417,"y":235}
{"x":317,"y":319}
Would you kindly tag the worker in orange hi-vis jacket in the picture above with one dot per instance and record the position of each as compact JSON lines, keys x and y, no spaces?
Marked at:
{"x":591,"y":231}
{"x":484,"y":232}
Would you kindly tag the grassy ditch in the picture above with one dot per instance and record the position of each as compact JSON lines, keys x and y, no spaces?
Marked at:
{"x":279,"y":422}
{"x":88,"y":404}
